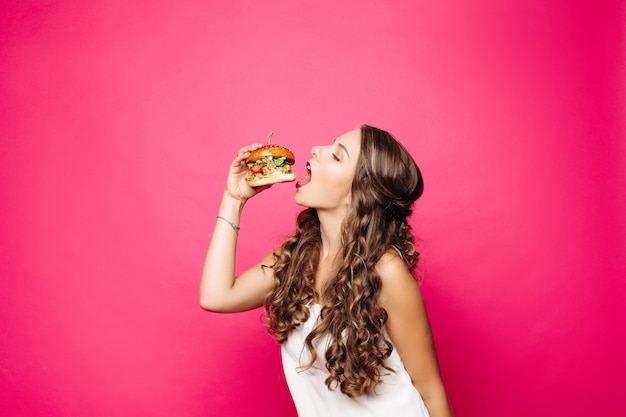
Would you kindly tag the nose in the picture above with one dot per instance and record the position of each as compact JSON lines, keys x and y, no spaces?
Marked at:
{"x":315,"y":151}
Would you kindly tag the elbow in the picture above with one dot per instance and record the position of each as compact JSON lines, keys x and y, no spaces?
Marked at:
{"x":209,"y":297}
{"x":205,"y":305}
{"x":211,"y":304}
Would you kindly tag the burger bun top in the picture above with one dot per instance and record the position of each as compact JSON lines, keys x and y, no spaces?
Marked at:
{"x":275,"y":151}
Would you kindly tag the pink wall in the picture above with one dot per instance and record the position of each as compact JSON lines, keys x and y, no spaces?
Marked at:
{"x":118,"y":120}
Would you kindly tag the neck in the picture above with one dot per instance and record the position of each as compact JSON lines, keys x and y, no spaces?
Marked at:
{"x":330,"y":231}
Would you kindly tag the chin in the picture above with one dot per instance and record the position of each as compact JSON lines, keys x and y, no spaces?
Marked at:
{"x":297,"y":198}
{"x":300,"y":198}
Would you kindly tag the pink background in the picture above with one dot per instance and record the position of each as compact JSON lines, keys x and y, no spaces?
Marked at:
{"x":118,"y":120}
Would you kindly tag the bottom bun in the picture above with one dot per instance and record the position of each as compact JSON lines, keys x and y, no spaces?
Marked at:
{"x":272,"y":179}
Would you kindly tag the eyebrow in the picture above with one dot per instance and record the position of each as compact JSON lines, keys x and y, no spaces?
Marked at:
{"x":344,"y":149}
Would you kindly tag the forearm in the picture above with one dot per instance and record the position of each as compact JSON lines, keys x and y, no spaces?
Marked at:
{"x":218,"y":273}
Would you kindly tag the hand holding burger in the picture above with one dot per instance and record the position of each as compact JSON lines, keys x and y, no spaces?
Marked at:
{"x":270,"y":164}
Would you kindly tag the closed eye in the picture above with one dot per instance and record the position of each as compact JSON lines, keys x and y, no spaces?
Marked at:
{"x":335,"y":156}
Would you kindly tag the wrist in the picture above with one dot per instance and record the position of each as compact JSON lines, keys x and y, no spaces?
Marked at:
{"x":232,"y":206}
{"x":230,"y":199}
{"x":233,"y":225}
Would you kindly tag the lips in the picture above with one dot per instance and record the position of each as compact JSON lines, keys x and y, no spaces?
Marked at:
{"x":307,"y":178}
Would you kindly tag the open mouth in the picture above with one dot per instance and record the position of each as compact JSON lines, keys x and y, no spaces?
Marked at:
{"x":307,"y":178}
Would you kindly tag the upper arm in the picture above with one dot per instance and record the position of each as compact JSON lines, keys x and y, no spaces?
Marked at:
{"x":249,"y":288}
{"x":409,"y":329}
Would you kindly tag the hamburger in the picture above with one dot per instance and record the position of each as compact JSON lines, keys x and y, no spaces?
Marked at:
{"x":270,"y":164}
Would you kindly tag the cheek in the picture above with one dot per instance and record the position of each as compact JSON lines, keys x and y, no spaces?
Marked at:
{"x":339,"y":178}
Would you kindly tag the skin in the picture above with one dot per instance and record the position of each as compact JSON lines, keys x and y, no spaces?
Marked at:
{"x":333,"y":168}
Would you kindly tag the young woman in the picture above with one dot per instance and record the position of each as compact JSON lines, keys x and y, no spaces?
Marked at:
{"x":339,"y":295}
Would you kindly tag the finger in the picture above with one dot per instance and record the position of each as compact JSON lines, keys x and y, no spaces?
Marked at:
{"x":245,"y":152}
{"x":250,"y":148}
{"x":241,"y":155}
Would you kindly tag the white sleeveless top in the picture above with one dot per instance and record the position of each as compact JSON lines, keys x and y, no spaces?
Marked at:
{"x":395,"y":396}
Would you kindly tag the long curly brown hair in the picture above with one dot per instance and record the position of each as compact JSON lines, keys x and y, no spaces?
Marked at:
{"x":386,"y":184}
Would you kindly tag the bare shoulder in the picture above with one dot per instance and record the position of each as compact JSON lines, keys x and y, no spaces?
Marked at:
{"x":398,"y":284}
